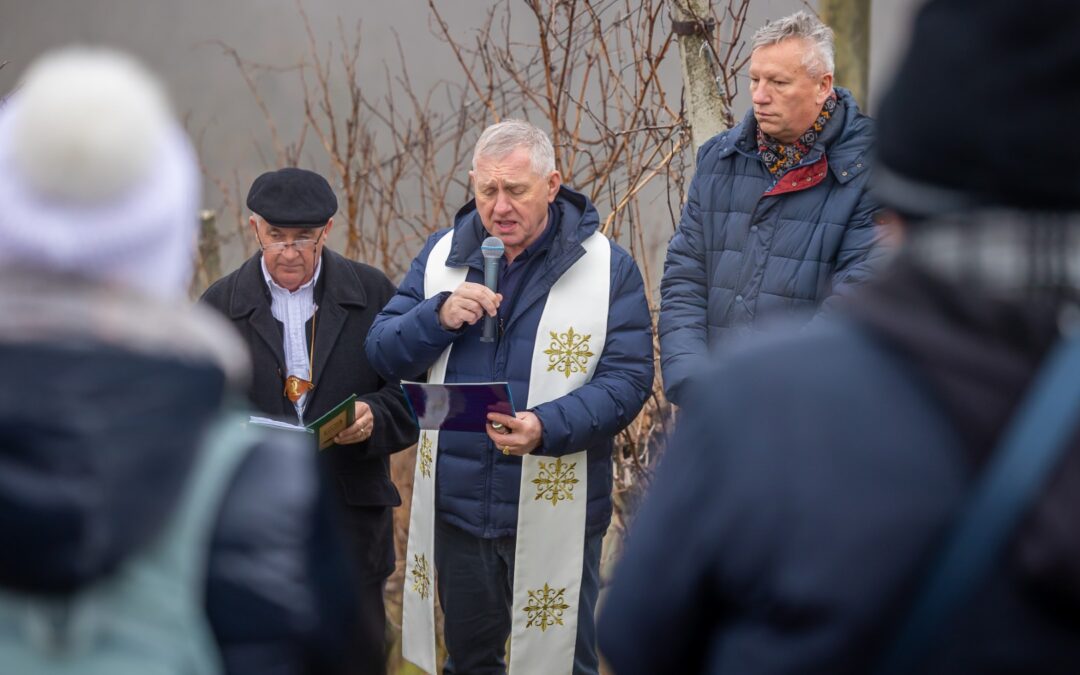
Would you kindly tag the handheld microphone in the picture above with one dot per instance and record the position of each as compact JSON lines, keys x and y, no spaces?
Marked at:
{"x":493,"y":249}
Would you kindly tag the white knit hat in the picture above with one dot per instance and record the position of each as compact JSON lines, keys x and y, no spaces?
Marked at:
{"x":96,"y":177}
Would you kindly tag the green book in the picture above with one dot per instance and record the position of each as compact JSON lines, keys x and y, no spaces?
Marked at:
{"x":336,"y":420}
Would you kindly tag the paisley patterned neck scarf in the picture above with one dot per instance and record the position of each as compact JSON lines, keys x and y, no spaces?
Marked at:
{"x":779,"y":157}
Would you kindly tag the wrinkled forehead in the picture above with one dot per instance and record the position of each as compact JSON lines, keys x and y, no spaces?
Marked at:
{"x":514,"y":167}
{"x":291,"y":231}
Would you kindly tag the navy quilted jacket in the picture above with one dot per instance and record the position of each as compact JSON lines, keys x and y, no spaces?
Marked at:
{"x":476,"y":486}
{"x":749,"y":248}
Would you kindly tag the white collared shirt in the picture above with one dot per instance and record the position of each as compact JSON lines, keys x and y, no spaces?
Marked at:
{"x":293,"y":309}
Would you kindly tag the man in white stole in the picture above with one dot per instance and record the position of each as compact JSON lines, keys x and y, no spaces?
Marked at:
{"x":507,"y":522}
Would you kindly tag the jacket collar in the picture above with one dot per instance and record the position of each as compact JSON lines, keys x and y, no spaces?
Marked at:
{"x":337,"y":283}
{"x":337,"y":289}
{"x":578,"y":220}
{"x":847,"y":148}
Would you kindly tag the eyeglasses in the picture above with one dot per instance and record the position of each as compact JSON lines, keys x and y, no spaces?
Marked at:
{"x":300,"y":245}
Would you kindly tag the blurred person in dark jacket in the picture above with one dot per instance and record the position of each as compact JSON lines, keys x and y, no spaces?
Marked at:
{"x":778,"y":222}
{"x":801,"y":505}
{"x":304,"y":312}
{"x":133,"y":518}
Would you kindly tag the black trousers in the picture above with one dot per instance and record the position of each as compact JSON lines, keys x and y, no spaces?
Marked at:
{"x":367,"y":648}
{"x":370,"y":532}
{"x":476,"y":586}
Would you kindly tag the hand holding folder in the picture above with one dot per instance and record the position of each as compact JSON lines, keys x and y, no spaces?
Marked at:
{"x":458,"y":406}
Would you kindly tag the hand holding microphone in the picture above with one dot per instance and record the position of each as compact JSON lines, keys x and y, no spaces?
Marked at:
{"x":470,"y":302}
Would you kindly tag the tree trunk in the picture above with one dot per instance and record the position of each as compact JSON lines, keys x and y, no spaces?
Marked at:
{"x":705,"y":104}
{"x":209,"y":250}
{"x":850,"y":20}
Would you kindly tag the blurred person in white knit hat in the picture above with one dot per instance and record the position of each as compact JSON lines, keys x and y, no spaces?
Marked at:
{"x":145,"y":529}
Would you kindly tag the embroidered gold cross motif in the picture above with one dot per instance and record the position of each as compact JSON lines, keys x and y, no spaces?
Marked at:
{"x":421,"y":578}
{"x":555,"y":481}
{"x":546,"y":607}
{"x":569,"y":352}
{"x":425,"y":456}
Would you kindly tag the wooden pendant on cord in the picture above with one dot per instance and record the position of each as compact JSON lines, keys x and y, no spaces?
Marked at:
{"x":296,"y":387}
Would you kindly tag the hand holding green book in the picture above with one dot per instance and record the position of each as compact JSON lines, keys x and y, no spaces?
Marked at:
{"x":336,"y":420}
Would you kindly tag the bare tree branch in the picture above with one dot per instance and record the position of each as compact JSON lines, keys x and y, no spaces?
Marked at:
{"x":589,"y":72}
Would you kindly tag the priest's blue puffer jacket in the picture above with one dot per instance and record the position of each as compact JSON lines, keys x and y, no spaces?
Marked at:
{"x":476,"y":486}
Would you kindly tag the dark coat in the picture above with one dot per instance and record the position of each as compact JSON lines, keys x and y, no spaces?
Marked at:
{"x":478,"y":487}
{"x":800,"y":504}
{"x":349,"y":295}
{"x":96,"y":445}
{"x":749,"y":249}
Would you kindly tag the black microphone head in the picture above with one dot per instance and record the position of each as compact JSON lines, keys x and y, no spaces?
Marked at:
{"x":492,"y":248}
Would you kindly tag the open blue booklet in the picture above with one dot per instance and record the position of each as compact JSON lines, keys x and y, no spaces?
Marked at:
{"x":458,"y":406}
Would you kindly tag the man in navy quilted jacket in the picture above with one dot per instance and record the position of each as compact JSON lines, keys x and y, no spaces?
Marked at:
{"x":778,"y":221}
{"x":802,"y":507}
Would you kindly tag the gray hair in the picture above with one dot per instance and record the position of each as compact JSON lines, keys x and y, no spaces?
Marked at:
{"x":819,"y":58}
{"x":502,"y":138}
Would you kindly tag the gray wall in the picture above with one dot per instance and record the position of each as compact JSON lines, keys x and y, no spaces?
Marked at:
{"x":176,"y":39}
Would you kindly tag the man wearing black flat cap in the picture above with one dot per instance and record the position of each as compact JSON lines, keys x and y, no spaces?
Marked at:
{"x":304,"y":312}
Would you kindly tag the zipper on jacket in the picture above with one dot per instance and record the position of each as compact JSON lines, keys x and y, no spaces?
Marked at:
{"x":493,"y":367}
{"x":739,"y":281}
{"x":498,"y":360}
{"x":489,"y":457}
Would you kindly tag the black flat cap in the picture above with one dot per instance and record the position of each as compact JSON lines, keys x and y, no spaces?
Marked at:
{"x":292,"y":198}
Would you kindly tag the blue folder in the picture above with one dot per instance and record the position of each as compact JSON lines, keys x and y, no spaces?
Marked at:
{"x":457,"y":407}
